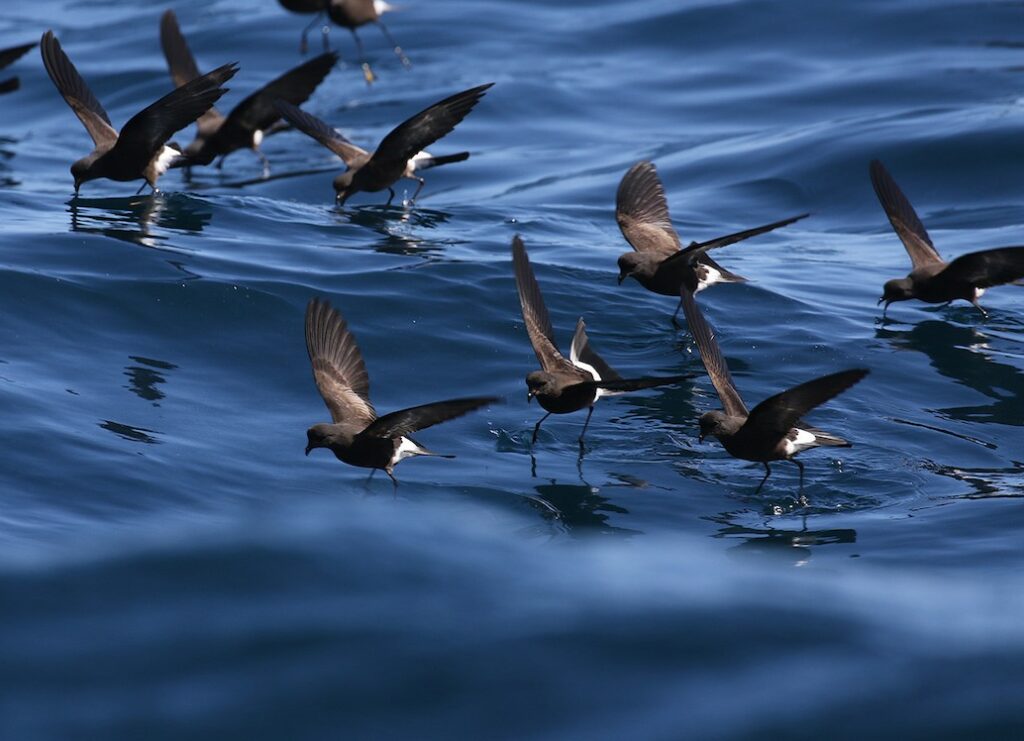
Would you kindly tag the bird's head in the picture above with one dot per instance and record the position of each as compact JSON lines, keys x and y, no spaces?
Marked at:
{"x":539,"y":383}
{"x":713,"y":424}
{"x":80,"y":171}
{"x":318,"y":436}
{"x":631,"y":264}
{"x":898,"y":289}
{"x":343,"y":187}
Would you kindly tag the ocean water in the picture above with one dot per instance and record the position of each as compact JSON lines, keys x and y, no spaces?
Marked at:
{"x":172,"y":566}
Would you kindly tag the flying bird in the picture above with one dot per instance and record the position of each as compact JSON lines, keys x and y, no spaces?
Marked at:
{"x":7,"y":58}
{"x":563,"y":385}
{"x":356,"y":435}
{"x":659,"y":262}
{"x":140,"y":150}
{"x":932,"y":280}
{"x":248,"y":122}
{"x":400,"y":154}
{"x":350,"y":14}
{"x":773,"y":430}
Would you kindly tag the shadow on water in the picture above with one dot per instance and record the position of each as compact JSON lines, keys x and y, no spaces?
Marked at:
{"x":132,"y":434}
{"x":397,"y":226}
{"x":986,"y":483}
{"x":960,"y":353}
{"x":581,"y":508}
{"x":144,"y":379}
{"x":791,"y":546}
{"x":133,"y":219}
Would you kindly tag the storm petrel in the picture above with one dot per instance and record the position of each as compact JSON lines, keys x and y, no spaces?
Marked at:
{"x":773,"y":430}
{"x":140,"y":150}
{"x":400,"y":154}
{"x":356,"y":435}
{"x":565,"y":385}
{"x":659,"y":262}
{"x":249,"y":121}
{"x":932,"y":280}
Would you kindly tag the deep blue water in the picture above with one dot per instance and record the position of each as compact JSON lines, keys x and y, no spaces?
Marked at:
{"x":171,"y":566}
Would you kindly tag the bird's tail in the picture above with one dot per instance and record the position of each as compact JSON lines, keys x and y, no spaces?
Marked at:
{"x":445,"y":159}
{"x":420,"y":450}
{"x":622,"y":385}
{"x":826,"y":438}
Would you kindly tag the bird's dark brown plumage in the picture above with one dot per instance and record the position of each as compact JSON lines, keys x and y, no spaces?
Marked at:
{"x":931,"y":279}
{"x":772,"y":430}
{"x":565,"y":385}
{"x":139,"y":150}
{"x":256,"y":115}
{"x":659,"y":262}
{"x":396,"y":156}
{"x":356,"y":435}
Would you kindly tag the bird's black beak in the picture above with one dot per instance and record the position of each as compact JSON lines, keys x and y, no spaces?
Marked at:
{"x":622,"y":277}
{"x":880,"y":301}
{"x":700,"y":438}
{"x":529,"y":397}
{"x":308,"y":448}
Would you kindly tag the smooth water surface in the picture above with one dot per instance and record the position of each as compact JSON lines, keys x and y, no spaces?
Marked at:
{"x":171,"y":566}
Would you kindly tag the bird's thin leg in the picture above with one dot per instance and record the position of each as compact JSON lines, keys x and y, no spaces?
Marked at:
{"x":767,"y":473}
{"x":265,"y":162}
{"x":370,"y":477}
{"x":589,"y":412}
{"x":141,"y":187}
{"x":422,"y":182}
{"x":325,"y":35}
{"x":675,"y":316}
{"x":394,"y":44}
{"x":367,"y":72}
{"x":801,"y":498}
{"x":533,"y":465}
{"x":220,"y":162}
{"x":536,"y":428}
{"x":978,"y":307}
{"x":392,"y":477}
{"x":391,"y":196}
{"x":303,"y":46}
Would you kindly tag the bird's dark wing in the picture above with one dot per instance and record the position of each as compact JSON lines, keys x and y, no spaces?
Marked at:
{"x":642,"y":211}
{"x":9,"y":56}
{"x":775,"y":416}
{"x":581,"y":352}
{"x":636,"y":384}
{"x":711,"y":356}
{"x":257,"y":112}
{"x":150,"y":128}
{"x":426,"y":127}
{"x":314,"y":128}
{"x":696,"y":249}
{"x":183,"y":69}
{"x":407,"y":421}
{"x":535,"y":313}
{"x":986,"y":268}
{"x":76,"y":92}
{"x":338,"y":368}
{"x":903,"y":218}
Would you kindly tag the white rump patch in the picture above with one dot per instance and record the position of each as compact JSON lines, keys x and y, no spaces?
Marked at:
{"x":382,"y":7}
{"x":257,"y":138}
{"x":406,"y":449}
{"x":711,"y":276}
{"x":416,"y":159}
{"x":165,"y":159}
{"x":978,"y":293}
{"x":803,"y":441}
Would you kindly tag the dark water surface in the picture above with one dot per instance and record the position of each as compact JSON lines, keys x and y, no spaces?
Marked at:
{"x":171,"y":566}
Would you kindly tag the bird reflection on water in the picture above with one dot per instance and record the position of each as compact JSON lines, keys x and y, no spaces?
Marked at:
{"x":132,"y":219}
